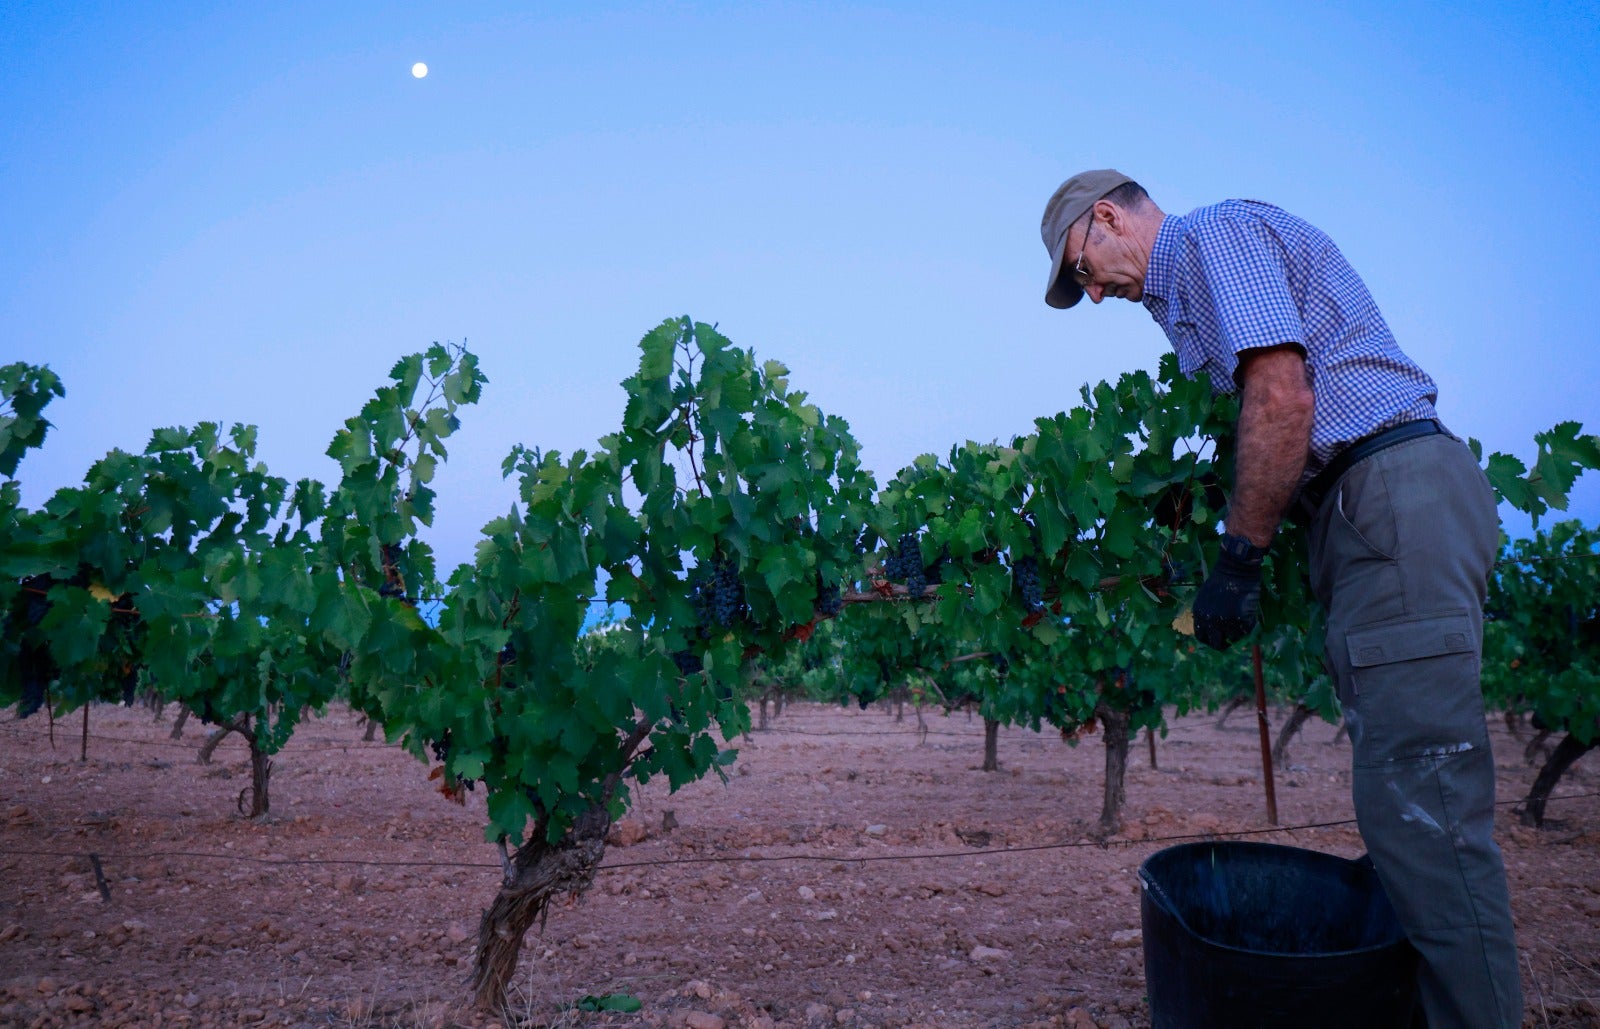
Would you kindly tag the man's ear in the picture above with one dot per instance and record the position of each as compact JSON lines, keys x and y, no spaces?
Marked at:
{"x":1111,"y":217}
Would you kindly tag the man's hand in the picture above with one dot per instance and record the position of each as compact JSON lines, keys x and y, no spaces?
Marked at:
{"x":1229,"y":603}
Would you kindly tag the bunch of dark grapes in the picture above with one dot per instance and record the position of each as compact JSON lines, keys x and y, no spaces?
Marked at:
{"x":207,"y":712}
{"x":727,"y":592}
{"x":393,"y":581}
{"x":916,"y":583}
{"x":505,"y":659}
{"x":441,"y":754}
{"x":35,"y":599}
{"x":717,"y":594}
{"x":688,"y":662}
{"x":38,"y":668}
{"x":829,"y":602}
{"x":1025,"y":572}
{"x":700,"y":599}
{"x":905,"y":564}
{"x":895,"y":566}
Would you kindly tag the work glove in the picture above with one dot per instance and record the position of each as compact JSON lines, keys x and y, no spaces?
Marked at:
{"x":1229,"y":602}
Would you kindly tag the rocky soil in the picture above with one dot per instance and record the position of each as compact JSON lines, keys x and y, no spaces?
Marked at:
{"x":853,"y":871}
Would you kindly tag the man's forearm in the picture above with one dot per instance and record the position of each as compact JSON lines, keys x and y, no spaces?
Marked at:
{"x":1273,"y":442}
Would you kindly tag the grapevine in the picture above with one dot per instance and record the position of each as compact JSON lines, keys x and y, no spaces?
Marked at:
{"x":1043,"y":580}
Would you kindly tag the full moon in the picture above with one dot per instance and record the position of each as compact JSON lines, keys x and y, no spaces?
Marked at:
{"x":419,"y":70}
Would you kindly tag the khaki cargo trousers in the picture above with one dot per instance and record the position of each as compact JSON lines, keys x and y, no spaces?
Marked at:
{"x":1401,"y":550}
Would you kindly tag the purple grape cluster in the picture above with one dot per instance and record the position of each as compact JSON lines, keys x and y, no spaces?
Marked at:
{"x":829,"y":601}
{"x":37,"y":666}
{"x":718,"y":595}
{"x":1025,"y":573}
{"x":905,"y":565}
{"x":688,"y":662}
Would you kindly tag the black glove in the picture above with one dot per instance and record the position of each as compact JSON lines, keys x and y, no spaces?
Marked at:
{"x":1229,"y":602}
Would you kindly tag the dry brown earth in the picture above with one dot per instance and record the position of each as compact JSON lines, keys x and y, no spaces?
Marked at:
{"x":852,"y":872}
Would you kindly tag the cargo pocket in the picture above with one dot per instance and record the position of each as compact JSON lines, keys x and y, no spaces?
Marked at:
{"x":1354,"y":573}
{"x":1415,"y":686}
{"x":1373,"y":532}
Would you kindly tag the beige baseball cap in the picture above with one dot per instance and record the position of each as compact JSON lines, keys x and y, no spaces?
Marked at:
{"x":1075,"y":196}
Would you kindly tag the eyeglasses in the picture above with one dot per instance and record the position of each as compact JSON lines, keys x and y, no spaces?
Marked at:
{"x":1080,"y":271}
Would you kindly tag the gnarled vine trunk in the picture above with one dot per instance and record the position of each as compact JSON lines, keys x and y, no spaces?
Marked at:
{"x":539,"y":871}
{"x":240,"y":725}
{"x":1231,"y":706}
{"x":260,"y":779}
{"x":1567,"y":751}
{"x":1297,"y":719}
{"x":1538,"y":748}
{"x":770,"y":692}
{"x":260,"y":765}
{"x":991,"y":745}
{"x":536,"y":874}
{"x":1114,"y":723}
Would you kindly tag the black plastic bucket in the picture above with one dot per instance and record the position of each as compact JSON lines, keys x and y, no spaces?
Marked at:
{"x":1254,"y":934}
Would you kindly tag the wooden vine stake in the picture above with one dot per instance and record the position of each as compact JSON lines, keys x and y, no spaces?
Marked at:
{"x":1266,"y":742}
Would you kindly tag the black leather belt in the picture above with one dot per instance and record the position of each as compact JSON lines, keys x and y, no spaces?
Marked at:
{"x":1317,"y":490}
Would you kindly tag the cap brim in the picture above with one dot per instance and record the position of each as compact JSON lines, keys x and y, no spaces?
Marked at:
{"x":1062,"y":291}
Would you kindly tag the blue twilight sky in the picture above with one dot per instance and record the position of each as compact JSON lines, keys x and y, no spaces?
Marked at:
{"x":246,"y":212}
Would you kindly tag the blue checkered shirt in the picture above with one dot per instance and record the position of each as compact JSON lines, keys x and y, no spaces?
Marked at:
{"x":1242,"y":274}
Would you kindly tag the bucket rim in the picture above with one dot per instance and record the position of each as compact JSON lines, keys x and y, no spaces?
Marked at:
{"x":1152,"y":889}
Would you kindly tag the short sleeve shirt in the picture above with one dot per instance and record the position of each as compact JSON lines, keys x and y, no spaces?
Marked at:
{"x":1242,"y":274}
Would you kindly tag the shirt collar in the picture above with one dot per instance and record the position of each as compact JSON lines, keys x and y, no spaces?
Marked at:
{"x":1163,"y":257}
